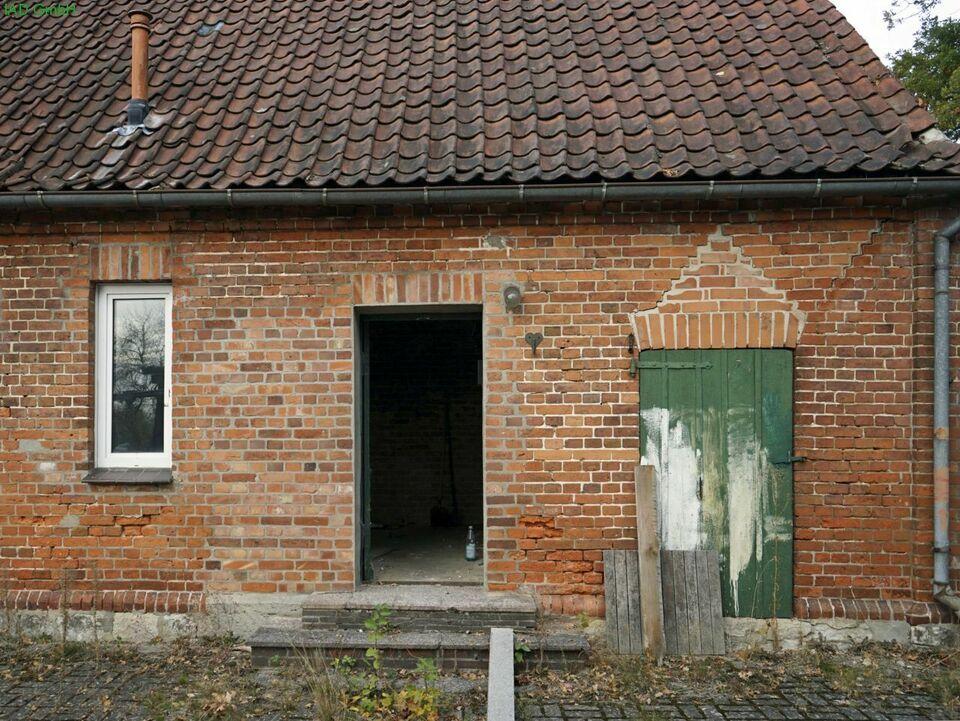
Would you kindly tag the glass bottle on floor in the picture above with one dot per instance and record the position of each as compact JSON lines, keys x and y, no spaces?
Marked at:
{"x":471,"y":553}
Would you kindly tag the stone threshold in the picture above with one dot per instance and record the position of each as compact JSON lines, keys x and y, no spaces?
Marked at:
{"x":419,"y":607}
{"x":425,"y":597}
{"x":450,"y":650}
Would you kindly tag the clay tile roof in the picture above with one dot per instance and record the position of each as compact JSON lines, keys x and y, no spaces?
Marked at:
{"x":369,"y":92}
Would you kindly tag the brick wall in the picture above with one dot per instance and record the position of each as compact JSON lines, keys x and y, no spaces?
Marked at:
{"x":263,"y":388}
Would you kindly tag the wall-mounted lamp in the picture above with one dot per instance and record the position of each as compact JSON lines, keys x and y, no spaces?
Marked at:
{"x":512,"y":297}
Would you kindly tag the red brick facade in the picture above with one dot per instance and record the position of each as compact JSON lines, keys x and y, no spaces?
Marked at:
{"x":263,"y":383}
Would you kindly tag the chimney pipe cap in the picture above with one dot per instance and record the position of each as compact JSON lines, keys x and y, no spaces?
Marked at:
{"x":140,"y":19}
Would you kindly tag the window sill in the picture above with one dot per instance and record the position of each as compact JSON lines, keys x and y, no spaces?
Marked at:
{"x":129,"y":476}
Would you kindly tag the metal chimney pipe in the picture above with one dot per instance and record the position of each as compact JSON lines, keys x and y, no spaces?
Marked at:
{"x":139,"y":57}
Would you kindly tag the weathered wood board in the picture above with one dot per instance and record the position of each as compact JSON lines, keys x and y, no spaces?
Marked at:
{"x":692,"y":615}
{"x":622,"y":596}
{"x":648,"y":555}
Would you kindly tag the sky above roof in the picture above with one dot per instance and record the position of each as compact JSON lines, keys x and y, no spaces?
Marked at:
{"x":867,"y":17}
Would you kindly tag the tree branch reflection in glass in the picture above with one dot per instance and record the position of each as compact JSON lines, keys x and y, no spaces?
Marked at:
{"x":138,"y":375}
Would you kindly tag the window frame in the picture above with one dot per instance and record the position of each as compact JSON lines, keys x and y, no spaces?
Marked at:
{"x":103,"y":375}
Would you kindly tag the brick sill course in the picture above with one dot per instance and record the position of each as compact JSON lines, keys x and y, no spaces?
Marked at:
{"x":129,"y":476}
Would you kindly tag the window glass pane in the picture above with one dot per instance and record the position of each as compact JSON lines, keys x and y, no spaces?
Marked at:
{"x":138,"y":338}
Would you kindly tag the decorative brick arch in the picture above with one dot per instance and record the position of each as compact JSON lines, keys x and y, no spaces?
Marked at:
{"x":422,"y":287}
{"x":720,"y":300}
{"x":130,"y":261}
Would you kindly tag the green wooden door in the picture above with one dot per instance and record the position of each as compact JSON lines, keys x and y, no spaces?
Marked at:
{"x":718,"y":426}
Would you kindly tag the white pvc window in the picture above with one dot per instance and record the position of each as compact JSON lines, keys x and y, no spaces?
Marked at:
{"x":133,"y":396}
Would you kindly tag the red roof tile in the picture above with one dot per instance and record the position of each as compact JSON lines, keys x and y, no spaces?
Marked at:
{"x":348,"y":92}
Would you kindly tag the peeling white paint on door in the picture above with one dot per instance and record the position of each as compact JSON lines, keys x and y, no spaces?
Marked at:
{"x":777,"y":528}
{"x":670,"y":450}
{"x":745,"y":502}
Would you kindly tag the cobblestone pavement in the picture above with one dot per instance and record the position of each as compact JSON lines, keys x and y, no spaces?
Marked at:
{"x":216,"y":683}
{"x":187,"y":684}
{"x":128,"y":685}
{"x":85,"y":692}
{"x":802,"y":701}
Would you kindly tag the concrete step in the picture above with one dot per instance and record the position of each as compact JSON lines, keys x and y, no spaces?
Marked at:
{"x":413,"y":607}
{"x":450,"y":651}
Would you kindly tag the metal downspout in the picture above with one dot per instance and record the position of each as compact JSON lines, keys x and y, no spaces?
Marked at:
{"x":942,"y":590}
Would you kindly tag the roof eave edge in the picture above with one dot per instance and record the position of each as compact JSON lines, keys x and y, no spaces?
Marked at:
{"x":465,"y":194}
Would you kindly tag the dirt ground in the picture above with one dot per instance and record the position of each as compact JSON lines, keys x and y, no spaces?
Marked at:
{"x":209,"y":679}
{"x":871,"y":681}
{"x":213,"y":679}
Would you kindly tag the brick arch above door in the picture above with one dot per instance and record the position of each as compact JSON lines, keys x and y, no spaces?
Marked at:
{"x":720,"y":300}
{"x":417,"y":288}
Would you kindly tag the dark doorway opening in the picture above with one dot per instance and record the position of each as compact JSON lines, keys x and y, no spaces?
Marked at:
{"x":422,"y":437}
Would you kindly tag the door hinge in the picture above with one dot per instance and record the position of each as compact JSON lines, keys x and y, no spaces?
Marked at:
{"x":672,"y":366}
{"x":790,"y":459}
